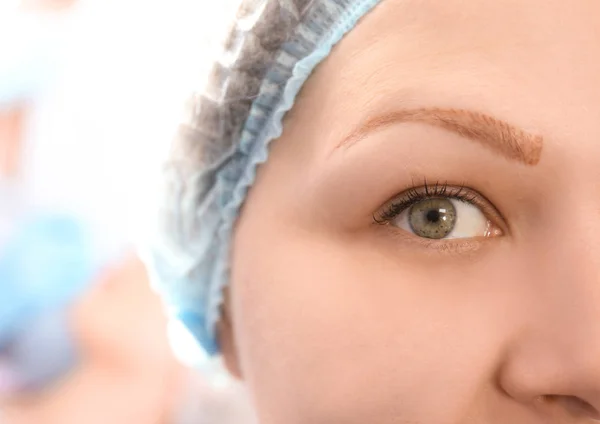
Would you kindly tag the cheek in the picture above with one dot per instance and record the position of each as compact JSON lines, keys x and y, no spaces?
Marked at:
{"x":332,"y":330}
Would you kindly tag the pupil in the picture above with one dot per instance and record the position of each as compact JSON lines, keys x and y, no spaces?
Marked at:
{"x":433,"y":215}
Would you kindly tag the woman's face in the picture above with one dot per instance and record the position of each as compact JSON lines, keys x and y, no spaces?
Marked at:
{"x":476,"y":121}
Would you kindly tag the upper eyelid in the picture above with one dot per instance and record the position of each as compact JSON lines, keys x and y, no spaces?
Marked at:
{"x":425,"y":191}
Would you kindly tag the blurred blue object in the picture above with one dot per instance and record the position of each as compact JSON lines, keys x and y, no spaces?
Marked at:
{"x":46,"y":263}
{"x":40,"y":355}
{"x":44,"y":266}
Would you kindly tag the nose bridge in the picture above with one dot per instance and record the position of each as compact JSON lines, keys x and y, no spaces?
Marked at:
{"x":571,"y":257}
{"x":559,"y":352}
{"x":572,"y":278}
{"x":578,"y":279}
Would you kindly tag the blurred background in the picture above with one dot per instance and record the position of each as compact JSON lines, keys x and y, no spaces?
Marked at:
{"x":90,"y":94}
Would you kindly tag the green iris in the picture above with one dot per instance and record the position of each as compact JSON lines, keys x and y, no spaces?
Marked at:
{"x":432,"y":218}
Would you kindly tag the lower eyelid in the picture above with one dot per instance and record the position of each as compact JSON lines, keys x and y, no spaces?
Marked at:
{"x":450,"y":247}
{"x":456,"y":246}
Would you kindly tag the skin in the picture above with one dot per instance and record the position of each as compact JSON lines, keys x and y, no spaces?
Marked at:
{"x":11,"y":134}
{"x":332,"y":319}
{"x":46,"y":5}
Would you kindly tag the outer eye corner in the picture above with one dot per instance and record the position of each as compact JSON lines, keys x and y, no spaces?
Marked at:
{"x":493,"y":230}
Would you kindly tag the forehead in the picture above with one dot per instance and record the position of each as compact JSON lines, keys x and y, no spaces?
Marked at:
{"x":437,"y":31}
{"x":535,"y":63}
{"x":422,"y":45}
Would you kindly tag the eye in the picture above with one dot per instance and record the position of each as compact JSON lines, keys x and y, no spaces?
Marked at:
{"x":443,"y":218}
{"x":441,"y":212}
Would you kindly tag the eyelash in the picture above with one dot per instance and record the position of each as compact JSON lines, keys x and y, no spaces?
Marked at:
{"x":416,"y":194}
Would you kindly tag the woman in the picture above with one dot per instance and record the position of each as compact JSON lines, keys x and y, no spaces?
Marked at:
{"x":386,"y":211}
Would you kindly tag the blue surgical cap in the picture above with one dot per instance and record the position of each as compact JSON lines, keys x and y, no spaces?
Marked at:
{"x":270,"y":53}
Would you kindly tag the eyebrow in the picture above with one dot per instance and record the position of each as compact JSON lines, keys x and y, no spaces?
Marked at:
{"x":511,"y":142}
